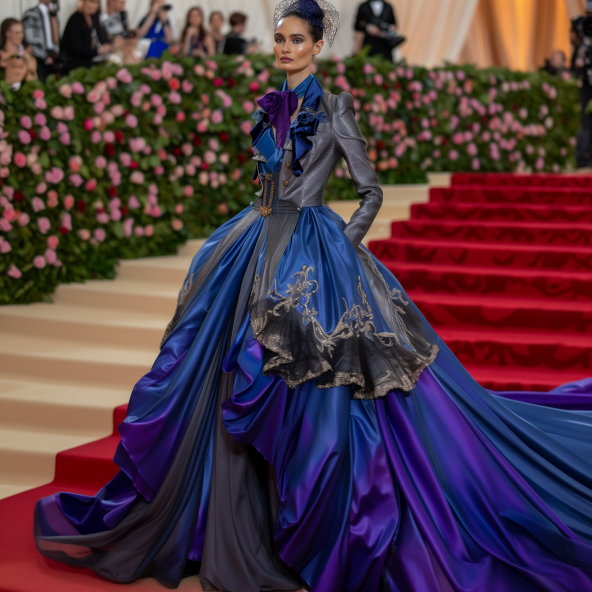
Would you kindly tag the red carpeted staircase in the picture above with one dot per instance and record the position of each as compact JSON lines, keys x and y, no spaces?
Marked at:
{"x":85,"y":470}
{"x":501,"y":266}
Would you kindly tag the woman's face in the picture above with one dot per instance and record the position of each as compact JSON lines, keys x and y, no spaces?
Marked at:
{"x":216,"y":22}
{"x":15,"y":35}
{"x":90,"y":7}
{"x":293,"y":45}
{"x":195,"y":18}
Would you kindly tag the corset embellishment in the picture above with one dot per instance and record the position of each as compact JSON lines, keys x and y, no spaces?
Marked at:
{"x":267,"y":197}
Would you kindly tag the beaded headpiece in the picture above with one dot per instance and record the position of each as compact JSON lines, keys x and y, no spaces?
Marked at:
{"x":319,"y":13}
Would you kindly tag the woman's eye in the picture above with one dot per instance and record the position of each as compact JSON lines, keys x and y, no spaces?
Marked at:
{"x":278,"y":40}
{"x":297,"y":40}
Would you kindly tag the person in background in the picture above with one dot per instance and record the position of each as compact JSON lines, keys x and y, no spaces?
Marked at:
{"x":42,"y":37}
{"x":556,"y":65}
{"x":234,"y":42}
{"x":17,"y":65}
{"x":374,"y":18}
{"x":195,"y":40}
{"x":584,"y":141}
{"x":114,"y":20}
{"x":84,"y":37}
{"x":157,"y":27}
{"x":216,"y":24}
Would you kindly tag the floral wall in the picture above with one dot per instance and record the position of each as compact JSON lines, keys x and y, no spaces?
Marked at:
{"x":116,"y":163}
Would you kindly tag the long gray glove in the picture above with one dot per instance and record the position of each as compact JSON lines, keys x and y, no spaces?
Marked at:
{"x":351,"y":145}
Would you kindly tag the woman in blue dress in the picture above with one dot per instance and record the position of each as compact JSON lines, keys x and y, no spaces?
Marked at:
{"x":303,"y":426}
{"x":157,"y":27}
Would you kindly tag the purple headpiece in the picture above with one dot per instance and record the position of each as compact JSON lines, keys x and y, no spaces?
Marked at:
{"x":319,"y":13}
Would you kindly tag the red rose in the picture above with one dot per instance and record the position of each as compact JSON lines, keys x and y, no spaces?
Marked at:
{"x":64,"y":230}
{"x":205,"y":166}
{"x":174,"y":84}
{"x":385,"y":86}
{"x":224,"y":137}
{"x":112,"y":191}
{"x":241,"y":158}
{"x":380,"y":145}
{"x":81,"y":206}
{"x":251,"y":150}
{"x":444,"y":141}
{"x":126,"y":113}
{"x":33,"y":134}
{"x":100,"y":210}
{"x":231,"y":82}
{"x":118,"y":136}
{"x":197,"y":141}
{"x":218,"y":81}
{"x":109,"y":150}
{"x":124,"y":211}
{"x":177,"y":151}
{"x":19,"y":196}
{"x":133,"y":165}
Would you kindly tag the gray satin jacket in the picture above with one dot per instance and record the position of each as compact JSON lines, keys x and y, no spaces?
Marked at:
{"x":339,"y":136}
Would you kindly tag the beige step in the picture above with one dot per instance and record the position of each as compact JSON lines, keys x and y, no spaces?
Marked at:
{"x":190,"y":248}
{"x":71,"y":362}
{"x":159,"y":270}
{"x":57,"y":408}
{"x":121,"y":294}
{"x":27,"y":459}
{"x":90,"y":324}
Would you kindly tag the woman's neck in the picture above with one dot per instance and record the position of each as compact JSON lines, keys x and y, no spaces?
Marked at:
{"x":11,"y":47}
{"x":296,"y":78}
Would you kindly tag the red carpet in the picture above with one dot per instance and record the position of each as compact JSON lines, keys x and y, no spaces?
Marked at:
{"x":22,"y":569}
{"x":501,"y":266}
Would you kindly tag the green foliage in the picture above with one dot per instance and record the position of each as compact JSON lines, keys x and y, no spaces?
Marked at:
{"x":117,"y":163}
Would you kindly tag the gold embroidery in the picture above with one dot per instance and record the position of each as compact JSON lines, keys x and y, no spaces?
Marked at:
{"x":265,"y":208}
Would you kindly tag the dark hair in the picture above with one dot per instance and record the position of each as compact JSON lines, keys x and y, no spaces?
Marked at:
{"x":6,"y":25}
{"x":237,"y":18}
{"x":315,"y":31}
{"x":214,"y":13}
{"x":202,"y":29}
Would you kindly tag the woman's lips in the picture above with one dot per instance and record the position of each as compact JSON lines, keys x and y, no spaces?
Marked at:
{"x":286,"y":60}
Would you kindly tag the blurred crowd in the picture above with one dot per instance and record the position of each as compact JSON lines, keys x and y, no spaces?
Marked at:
{"x":33,"y":48}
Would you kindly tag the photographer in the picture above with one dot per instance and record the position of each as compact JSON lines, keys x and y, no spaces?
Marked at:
{"x":157,"y":27}
{"x":583,"y":68}
{"x":376,"y":27}
{"x":42,"y":38}
{"x":17,"y":65}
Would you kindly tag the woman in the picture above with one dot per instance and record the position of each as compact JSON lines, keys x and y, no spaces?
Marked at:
{"x":84,"y":38}
{"x":157,"y":27}
{"x":303,"y":425}
{"x":195,"y":40}
{"x":17,"y":65}
{"x":216,"y":24}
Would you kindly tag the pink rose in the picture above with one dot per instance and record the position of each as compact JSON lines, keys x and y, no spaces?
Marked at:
{"x":96,"y":137}
{"x":217,"y":117}
{"x":93,"y":96}
{"x":65,"y":139}
{"x":52,"y":198}
{"x":39,"y":262}
{"x":176,"y":224}
{"x":133,"y":202}
{"x":159,"y":171}
{"x":69,"y":113}
{"x":156,"y":212}
{"x":20,"y":159}
{"x":24,"y":137}
{"x":156,"y":100}
{"x":99,"y":107}
{"x":180,"y":117}
{"x":84,"y":234}
{"x":245,"y":127}
{"x":57,"y":112}
{"x":78,"y":88}
{"x":100,"y":162}
{"x":248,"y":106}
{"x":99,"y":234}
{"x":76,"y":180}
{"x":131,"y":121}
{"x":137,"y":144}
{"x":153,"y":189}
{"x":102,"y":217}
{"x":50,"y":256}
{"x":40,"y":119}
{"x":75,"y":162}
{"x":88,"y":125}
{"x":66,"y":91}
{"x":91,"y":185}
{"x":186,"y":86}
{"x":45,"y":133}
{"x":124,"y":76}
{"x":5,"y":225}
{"x":115,"y":215}
{"x":26,"y":122}
{"x":61,"y":127}
{"x":111,"y":82}
{"x":44,"y":225}
{"x":139,"y":231}
{"x":222,"y":208}
{"x":53,"y":241}
{"x":137,"y":177}
{"x":174,"y":98}
{"x":5,"y":246}
{"x":210,"y":157}
{"x":37,"y":204}
{"x":14,"y":272}
{"x":125,"y":159}
{"x":179,"y":209}
{"x":453,"y":155}
{"x":35,"y":169}
{"x":128,"y":225}
{"x":148,"y":230}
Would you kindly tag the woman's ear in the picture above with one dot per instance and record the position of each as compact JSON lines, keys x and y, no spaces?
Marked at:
{"x":318,"y":47}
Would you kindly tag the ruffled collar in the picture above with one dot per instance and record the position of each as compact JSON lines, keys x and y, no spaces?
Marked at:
{"x":303,"y":127}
